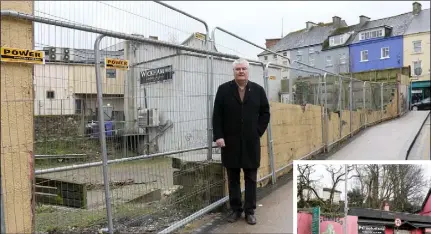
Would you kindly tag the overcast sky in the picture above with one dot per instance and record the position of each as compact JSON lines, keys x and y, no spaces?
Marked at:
{"x":254,"y":20}
{"x":325,"y":180}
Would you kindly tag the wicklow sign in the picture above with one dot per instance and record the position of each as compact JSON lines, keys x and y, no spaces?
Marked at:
{"x":156,"y":75}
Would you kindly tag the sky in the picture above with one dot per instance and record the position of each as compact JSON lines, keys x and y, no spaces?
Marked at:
{"x":325,"y":180}
{"x":253,"y":20}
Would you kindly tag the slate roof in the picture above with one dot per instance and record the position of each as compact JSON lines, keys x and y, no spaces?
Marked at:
{"x":399,"y":24}
{"x":420,"y":23}
{"x":303,"y":38}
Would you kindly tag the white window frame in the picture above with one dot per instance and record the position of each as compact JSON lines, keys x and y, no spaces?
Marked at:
{"x":420,"y":46}
{"x":369,"y":34}
{"x":328,"y":60}
{"x":311,"y":60}
{"x":362,"y":59}
{"x":311,"y":50}
{"x":414,"y":67}
{"x":382,"y":50}
{"x":343,"y":58}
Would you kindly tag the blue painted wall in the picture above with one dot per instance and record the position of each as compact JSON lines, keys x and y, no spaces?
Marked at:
{"x":374,"y":46}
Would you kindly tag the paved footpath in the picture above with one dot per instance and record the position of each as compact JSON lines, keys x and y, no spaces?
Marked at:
{"x":273,"y":216}
{"x":421,"y":150}
{"x":385,"y":141}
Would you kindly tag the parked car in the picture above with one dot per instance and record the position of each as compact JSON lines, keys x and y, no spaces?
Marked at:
{"x":425,"y":104}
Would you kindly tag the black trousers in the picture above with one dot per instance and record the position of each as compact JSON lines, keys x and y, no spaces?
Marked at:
{"x":250,"y":178}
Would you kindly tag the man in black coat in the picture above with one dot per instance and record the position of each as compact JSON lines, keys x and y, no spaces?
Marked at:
{"x":241,"y":116}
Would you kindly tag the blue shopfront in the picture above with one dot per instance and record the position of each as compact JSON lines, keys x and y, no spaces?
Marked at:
{"x":420,"y":90}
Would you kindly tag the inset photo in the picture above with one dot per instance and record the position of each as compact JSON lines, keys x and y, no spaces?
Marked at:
{"x":357,"y":197}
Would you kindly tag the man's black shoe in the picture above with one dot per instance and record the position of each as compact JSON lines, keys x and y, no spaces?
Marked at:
{"x":251,"y":219}
{"x":233,"y":217}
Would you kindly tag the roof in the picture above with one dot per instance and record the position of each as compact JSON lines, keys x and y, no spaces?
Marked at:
{"x":399,"y":24}
{"x":329,"y":190}
{"x":367,"y":213}
{"x":303,"y":38}
{"x":420,"y":23}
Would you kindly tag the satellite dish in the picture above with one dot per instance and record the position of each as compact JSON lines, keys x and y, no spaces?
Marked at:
{"x":418,"y":71}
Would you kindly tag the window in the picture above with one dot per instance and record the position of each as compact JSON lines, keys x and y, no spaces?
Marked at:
{"x":285,"y":63}
{"x":78,"y":106}
{"x":343,"y":58}
{"x":284,"y":53}
{"x":328,"y":61}
{"x":364,"y":55}
{"x":299,"y":52}
{"x":111,"y":73}
{"x":336,"y":40}
{"x":265,"y":57}
{"x":416,"y":64}
{"x":384,"y":53}
{"x":417,"y":46}
{"x":274,"y":56}
{"x":50,"y":94}
{"x":299,"y":58}
{"x":371,"y":34}
{"x":311,"y":60}
{"x":311,"y":50}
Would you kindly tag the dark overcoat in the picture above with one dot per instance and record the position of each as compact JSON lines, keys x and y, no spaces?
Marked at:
{"x":240,"y":123}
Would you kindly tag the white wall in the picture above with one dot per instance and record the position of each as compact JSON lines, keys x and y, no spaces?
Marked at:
{"x":53,"y":77}
{"x":183,"y":100}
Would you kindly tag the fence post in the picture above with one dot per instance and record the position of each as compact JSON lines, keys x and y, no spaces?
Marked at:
{"x":364,"y":96}
{"x":269,"y":129}
{"x":381,"y":101}
{"x":325,"y":115}
{"x":340,"y":80}
{"x":351,"y":104}
{"x":102,"y":133}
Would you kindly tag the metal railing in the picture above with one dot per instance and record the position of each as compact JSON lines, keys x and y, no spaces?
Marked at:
{"x":331,"y":96}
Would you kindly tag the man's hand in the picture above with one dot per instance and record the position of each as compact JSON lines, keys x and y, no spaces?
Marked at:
{"x":220,"y":142}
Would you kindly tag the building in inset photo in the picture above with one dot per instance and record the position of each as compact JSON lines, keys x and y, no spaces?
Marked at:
{"x":335,"y":198}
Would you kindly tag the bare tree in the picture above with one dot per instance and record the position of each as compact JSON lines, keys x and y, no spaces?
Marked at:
{"x":305,"y":183}
{"x":337,"y":174}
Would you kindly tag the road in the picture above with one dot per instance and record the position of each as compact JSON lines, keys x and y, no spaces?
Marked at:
{"x":384,"y":141}
{"x":421,"y":149}
{"x":273,"y":214}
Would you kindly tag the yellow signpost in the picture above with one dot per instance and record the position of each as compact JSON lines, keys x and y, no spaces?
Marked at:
{"x":121,"y":64}
{"x":15,"y":55}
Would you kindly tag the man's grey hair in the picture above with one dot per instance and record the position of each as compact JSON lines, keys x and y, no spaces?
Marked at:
{"x":240,"y":61}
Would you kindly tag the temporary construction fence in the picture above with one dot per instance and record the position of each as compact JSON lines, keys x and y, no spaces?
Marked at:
{"x":156,"y":169}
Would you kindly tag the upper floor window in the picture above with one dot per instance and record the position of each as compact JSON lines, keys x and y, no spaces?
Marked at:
{"x":416,"y":64}
{"x":299,"y":52}
{"x":384,"y":53}
{"x":343,"y":58}
{"x":284,"y":53}
{"x":50,"y":94}
{"x":311,"y":60}
{"x":364,"y":55}
{"x":417,"y":46}
{"x":376,"y":33}
{"x":265,"y":57}
{"x":336,"y":40}
{"x":328,"y":61}
{"x":274,"y":56}
{"x":311,"y":50}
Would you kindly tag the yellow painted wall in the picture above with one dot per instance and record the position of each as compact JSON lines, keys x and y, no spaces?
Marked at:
{"x":17,"y":122}
{"x":424,"y":56}
{"x":83,"y":78}
{"x":297,"y":132}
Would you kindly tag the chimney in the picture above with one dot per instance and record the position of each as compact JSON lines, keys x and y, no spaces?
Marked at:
{"x":336,"y":21}
{"x":309,"y":24}
{"x":271,"y":42}
{"x":417,"y":7}
{"x":154,"y":37}
{"x":363,"y":19}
